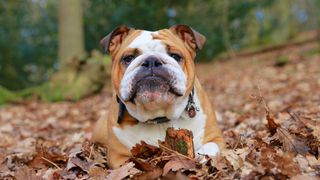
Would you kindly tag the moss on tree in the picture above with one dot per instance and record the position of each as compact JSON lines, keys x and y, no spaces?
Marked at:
{"x":78,"y":79}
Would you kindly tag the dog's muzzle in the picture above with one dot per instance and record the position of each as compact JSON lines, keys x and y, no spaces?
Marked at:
{"x":152,"y":80}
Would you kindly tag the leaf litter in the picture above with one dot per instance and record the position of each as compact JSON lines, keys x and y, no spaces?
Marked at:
{"x":272,"y":132}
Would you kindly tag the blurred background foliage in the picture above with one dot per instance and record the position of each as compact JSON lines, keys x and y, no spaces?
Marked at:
{"x":29,"y":28}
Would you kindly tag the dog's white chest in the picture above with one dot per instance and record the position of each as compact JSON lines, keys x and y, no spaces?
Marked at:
{"x":151,"y":133}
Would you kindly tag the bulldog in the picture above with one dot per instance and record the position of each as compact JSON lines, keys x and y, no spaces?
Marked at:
{"x":155,"y":87}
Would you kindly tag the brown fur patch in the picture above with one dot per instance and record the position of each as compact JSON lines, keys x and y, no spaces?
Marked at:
{"x":177,"y":45}
{"x":117,"y":69}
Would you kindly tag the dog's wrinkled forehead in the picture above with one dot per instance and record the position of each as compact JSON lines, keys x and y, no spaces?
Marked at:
{"x":146,"y":43}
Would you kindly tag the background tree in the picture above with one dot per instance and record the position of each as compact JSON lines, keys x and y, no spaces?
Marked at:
{"x":71,"y":36}
{"x":78,"y":75}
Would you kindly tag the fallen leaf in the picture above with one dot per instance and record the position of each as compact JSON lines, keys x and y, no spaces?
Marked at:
{"x":291,"y":142}
{"x":97,"y":173}
{"x":142,"y":165}
{"x":221,"y":163}
{"x":313,"y":143}
{"x":82,"y":164}
{"x":147,"y":175}
{"x":176,"y":176}
{"x":233,"y":158}
{"x":286,"y":165}
{"x":25,"y":173}
{"x":176,"y":164}
{"x":303,"y":177}
{"x":272,"y":125}
{"x":51,"y":156}
{"x":144,"y":150}
{"x":122,"y":172}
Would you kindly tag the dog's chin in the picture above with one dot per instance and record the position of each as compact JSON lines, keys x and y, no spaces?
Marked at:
{"x":153,"y":93}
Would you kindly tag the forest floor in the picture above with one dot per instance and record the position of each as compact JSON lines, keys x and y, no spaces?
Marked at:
{"x":51,"y":140}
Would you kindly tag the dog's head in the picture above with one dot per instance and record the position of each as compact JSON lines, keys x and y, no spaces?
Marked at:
{"x":153,"y":72}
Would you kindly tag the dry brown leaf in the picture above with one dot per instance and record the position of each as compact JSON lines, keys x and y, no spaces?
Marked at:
{"x":144,"y":150}
{"x":122,"y":172}
{"x":176,"y":176}
{"x":291,"y":142}
{"x":51,"y":156}
{"x":176,"y":164}
{"x":52,"y":174}
{"x":26,"y":173}
{"x":286,"y":165}
{"x":252,"y":175}
{"x":233,"y":158}
{"x":272,"y":125}
{"x":313,"y":143}
{"x":233,"y":139}
{"x":67,"y":175}
{"x":142,"y":165}
{"x":221,"y":163}
{"x":82,"y":164}
{"x":304,"y":177}
{"x":97,"y":173}
{"x":149,"y":175}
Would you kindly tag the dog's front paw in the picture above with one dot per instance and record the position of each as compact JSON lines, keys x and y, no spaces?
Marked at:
{"x":210,"y":149}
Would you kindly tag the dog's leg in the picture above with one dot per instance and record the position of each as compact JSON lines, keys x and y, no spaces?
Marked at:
{"x":100,"y":133}
{"x":115,"y":159}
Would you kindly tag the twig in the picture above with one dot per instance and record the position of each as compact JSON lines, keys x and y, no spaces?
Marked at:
{"x":54,"y":164}
{"x":282,"y":131}
{"x":261,"y":99}
{"x":272,"y":125}
{"x":91,"y":149}
{"x":266,"y":107}
{"x":295,"y":117}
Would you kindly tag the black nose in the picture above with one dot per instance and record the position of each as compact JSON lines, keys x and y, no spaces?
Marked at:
{"x":151,"y":62}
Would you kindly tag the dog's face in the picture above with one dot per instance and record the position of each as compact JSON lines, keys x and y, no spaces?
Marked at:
{"x":153,"y":72}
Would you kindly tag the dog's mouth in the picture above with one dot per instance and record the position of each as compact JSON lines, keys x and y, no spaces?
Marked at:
{"x":153,"y":87}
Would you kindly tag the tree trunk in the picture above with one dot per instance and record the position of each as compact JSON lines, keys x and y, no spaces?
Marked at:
{"x":78,"y":76}
{"x":71,"y":36}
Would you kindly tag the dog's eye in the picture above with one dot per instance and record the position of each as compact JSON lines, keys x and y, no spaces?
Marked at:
{"x":175,"y":56}
{"x":127,"y":59}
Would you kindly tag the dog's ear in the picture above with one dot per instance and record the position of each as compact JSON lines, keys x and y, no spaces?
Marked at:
{"x":115,"y":38}
{"x":193,"y":38}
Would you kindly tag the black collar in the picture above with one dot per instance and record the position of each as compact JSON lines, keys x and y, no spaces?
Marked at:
{"x":190,"y":108}
{"x":158,"y":120}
